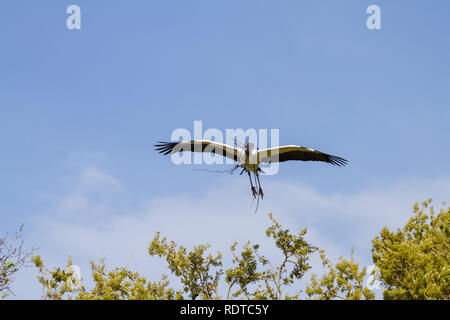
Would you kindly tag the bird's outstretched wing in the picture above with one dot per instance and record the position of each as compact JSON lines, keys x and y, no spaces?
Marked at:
{"x":292,"y":152}
{"x":198,"y":146}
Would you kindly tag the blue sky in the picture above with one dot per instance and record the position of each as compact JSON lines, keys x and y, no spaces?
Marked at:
{"x":80,"y":110}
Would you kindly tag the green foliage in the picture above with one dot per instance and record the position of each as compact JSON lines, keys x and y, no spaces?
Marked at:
{"x":122,"y":284}
{"x":342,"y":281}
{"x":56,"y":283}
{"x":414,"y":262}
{"x":270,"y":280}
{"x":13,"y":257}
{"x":117,"y":284}
{"x":193,"y":268}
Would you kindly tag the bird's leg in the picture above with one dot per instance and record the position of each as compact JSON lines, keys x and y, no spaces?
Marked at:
{"x":251,"y":184}
{"x":257,"y":183}
{"x":259,"y":186}
{"x":233,"y":169}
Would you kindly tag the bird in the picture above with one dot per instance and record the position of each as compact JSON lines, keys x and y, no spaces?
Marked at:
{"x":250,"y":158}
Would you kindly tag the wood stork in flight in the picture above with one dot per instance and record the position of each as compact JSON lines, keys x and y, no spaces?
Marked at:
{"x":249,"y":158}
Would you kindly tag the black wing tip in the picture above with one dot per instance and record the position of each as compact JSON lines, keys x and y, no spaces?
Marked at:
{"x":165,"y":147}
{"x":337,"y":161}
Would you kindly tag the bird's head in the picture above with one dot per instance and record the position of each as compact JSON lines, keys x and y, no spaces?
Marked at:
{"x":250,"y":147}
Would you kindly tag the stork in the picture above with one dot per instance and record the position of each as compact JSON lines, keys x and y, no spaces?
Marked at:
{"x":249,"y":158}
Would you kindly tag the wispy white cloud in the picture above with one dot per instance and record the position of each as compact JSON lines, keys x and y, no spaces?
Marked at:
{"x":95,"y":219}
{"x":94,"y":194}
